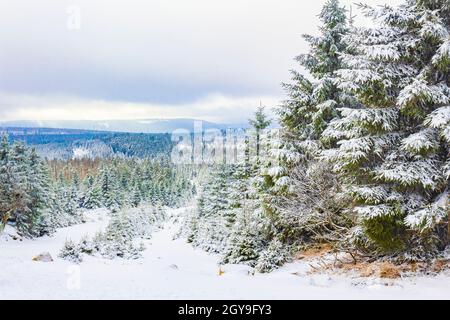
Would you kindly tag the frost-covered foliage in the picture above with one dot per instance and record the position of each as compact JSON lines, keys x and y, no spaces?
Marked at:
{"x":393,"y":149}
{"x":24,"y":191}
{"x":228,"y":219}
{"x":286,"y":173}
{"x":362,"y":158}
{"x":219,"y":203}
{"x":38,"y":196}
{"x":312,"y":103}
{"x":119,"y":183}
{"x":276,"y":254}
{"x":246,"y":241}
{"x":277,"y":202}
{"x":29,"y":199}
{"x":122,"y":237}
{"x":65,"y":203}
{"x":313,"y":210}
{"x":71,"y":252}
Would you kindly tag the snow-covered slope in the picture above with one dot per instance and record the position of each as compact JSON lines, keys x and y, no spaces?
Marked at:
{"x":172,"y":269}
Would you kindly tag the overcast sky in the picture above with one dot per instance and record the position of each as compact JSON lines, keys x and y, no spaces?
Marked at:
{"x":117,"y":59}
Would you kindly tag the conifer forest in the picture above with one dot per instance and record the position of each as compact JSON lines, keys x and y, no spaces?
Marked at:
{"x":338,"y":190}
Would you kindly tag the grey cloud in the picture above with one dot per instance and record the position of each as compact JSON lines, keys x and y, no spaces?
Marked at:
{"x":156,"y":51}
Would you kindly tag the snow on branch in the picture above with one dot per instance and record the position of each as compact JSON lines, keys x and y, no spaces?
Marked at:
{"x":442,"y":57}
{"x":446,"y":133}
{"x":419,"y":94}
{"x":384,"y":118}
{"x":432,"y":26}
{"x":424,"y":172}
{"x":352,"y":79}
{"x":423,"y":141}
{"x":427,"y":218}
{"x":369,"y":194}
{"x":369,"y":212}
{"x":439,"y":118}
{"x":384,"y":52}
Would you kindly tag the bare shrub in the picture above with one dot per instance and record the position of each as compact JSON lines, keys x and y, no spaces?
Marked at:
{"x":314,"y":206}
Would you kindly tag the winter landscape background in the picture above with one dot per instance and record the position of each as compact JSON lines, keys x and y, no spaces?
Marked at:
{"x":224,"y":175}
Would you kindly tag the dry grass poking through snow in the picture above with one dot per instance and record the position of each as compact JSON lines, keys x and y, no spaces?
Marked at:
{"x":324,"y":259}
{"x":316,"y":251}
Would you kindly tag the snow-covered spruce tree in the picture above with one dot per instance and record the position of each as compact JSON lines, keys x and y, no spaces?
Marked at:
{"x":75,"y":189}
{"x":118,"y":239}
{"x":30,"y":180}
{"x":248,"y":233}
{"x":22,"y":214}
{"x":222,"y":220}
{"x":64,"y":209}
{"x":70,"y":203}
{"x":259,"y":123}
{"x":214,"y":211}
{"x":393,"y":149}
{"x":39,"y":190}
{"x":8,"y":197}
{"x":24,"y":191}
{"x":312,"y":101}
{"x":109,"y":188}
{"x":228,"y":218}
{"x":68,"y":200}
{"x":91,"y":193}
{"x":124,"y":229}
{"x":276,"y":254}
{"x":297,"y":212}
{"x":247,"y":239}
{"x":135,"y":196}
{"x":71,"y":252}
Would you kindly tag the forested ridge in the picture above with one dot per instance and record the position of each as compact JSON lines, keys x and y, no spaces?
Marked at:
{"x":65,"y":144}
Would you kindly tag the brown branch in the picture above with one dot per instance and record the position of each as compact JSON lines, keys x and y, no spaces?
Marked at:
{"x":5,"y":219}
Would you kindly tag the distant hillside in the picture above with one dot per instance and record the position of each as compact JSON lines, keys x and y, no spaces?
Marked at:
{"x":132,"y":126}
{"x":123,"y":138}
{"x":70,"y":144}
{"x":40,"y":131}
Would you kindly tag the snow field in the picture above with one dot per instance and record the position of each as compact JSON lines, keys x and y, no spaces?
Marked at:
{"x":172,"y":269}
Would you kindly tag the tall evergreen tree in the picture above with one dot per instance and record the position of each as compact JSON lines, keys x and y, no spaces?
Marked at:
{"x":109,"y":188}
{"x":259,"y":123}
{"x":92,"y":193}
{"x":24,"y":190}
{"x":7,"y":195}
{"x":312,"y":102}
{"x":39,"y":192}
{"x":23,"y":214}
{"x":393,"y":148}
{"x":311,"y":105}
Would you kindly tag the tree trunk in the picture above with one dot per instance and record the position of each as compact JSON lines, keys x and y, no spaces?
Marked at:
{"x":257,"y":144}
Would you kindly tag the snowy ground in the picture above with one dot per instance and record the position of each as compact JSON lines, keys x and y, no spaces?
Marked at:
{"x":172,"y":269}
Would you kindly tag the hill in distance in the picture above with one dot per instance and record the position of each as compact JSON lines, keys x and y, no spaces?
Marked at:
{"x":130,"y":126}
